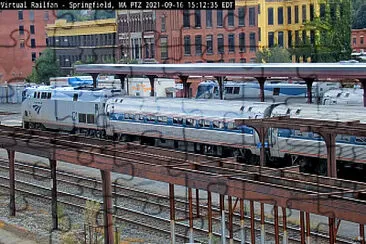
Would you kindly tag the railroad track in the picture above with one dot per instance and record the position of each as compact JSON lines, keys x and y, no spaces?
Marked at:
{"x":147,"y":199}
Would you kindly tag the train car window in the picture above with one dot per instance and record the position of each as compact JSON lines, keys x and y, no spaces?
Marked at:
{"x":236,"y":90}
{"x":201,"y":122}
{"x":361,"y":140}
{"x":163,"y":119}
{"x":288,"y":111}
{"x":140,"y":116}
{"x":343,"y":138}
{"x":302,"y":134}
{"x":75,"y":97}
{"x":38,"y":94}
{"x":347,"y":95}
{"x":178,"y":121}
{"x":218,"y":124}
{"x":43,"y":95}
{"x":298,"y":111}
{"x":228,"y":90}
{"x":90,"y":119}
{"x":276,"y":91}
{"x":216,"y":91}
{"x":316,"y":135}
{"x":231,"y":126}
{"x":126,"y":116}
{"x":191,"y":122}
{"x":49,"y":95}
{"x":96,"y":107}
{"x":151,"y":118}
{"x":250,"y":109}
{"x":82,"y":118}
{"x":35,"y":95}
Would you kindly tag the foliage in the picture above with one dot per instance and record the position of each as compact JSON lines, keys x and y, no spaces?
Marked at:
{"x":359,"y":19}
{"x":84,"y":15}
{"x":332,"y":33}
{"x":46,"y":66}
{"x":273,"y":55}
{"x":127,"y":61}
{"x":91,"y":211}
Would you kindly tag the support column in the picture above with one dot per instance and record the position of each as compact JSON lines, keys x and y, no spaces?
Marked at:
{"x":263,"y":231}
{"x":331,"y":224}
{"x":284,"y":217}
{"x":262,"y":138}
{"x":172,"y":213}
{"x":152,"y":83}
{"x":362,"y":234}
{"x":261,"y":81}
{"x":11,"y":157}
{"x":363,"y":84}
{"x":252,"y":223}
{"x":242,"y":228}
{"x":122,"y":79}
{"x":94,"y":76}
{"x":302,"y":227}
{"x":309,"y":85}
{"x":209,"y":216}
{"x":197,"y":203}
{"x":307,"y":228}
{"x":190,"y":202}
{"x":220,"y":80}
{"x":184,"y":79}
{"x":330,"y":143}
{"x":107,"y":207}
{"x":222,"y":209}
{"x":276,"y":222}
{"x":53,"y":166}
{"x":231,"y":234}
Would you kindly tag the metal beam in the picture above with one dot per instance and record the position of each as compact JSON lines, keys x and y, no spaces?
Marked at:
{"x":172,"y":213}
{"x":107,"y":207}
{"x":261,"y":81}
{"x":94,"y":76}
{"x":309,"y":84}
{"x":122,"y":79}
{"x":11,"y":157}
{"x":152,"y":84}
{"x":53,"y":165}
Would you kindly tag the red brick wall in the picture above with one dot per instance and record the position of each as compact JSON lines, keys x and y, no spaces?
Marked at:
{"x":16,"y":62}
{"x":356,"y":39}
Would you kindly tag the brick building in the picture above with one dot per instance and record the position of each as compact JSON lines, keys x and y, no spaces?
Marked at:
{"x":136,"y":35}
{"x":91,"y":41}
{"x":191,"y":36}
{"x":358,"y":40}
{"x":22,"y":39}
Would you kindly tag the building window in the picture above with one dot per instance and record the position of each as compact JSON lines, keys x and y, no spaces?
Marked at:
{"x":21,"y":43}
{"x":297,"y":38}
{"x":33,"y":43}
{"x":20,"y":15}
{"x":163,"y":23}
{"x":242,"y":47}
{"x":243,"y":60}
{"x":270,"y":39}
{"x":31,"y":29}
{"x":304,"y":36}
{"x":186,"y":16}
{"x":354,"y":41}
{"x":231,"y":38}
{"x":289,"y":17}
{"x":322,"y":10}
{"x":209,"y":44}
{"x":21,"y":30}
{"x":232,"y":60}
{"x":219,"y":18}
{"x":220,"y":43}
{"x":230,"y":18}
{"x":280,"y":15}
{"x":187,"y":45}
{"x":34,"y":57}
{"x":303,"y":13}
{"x":252,"y":42}
{"x":31,"y":15}
{"x":164,"y":47}
{"x":289,"y":40}
{"x":252,"y":16}
{"x":197,"y":18}
{"x":45,"y":15}
{"x":270,"y":16}
{"x":198,"y":44}
{"x":241,"y":16}
{"x":296,"y":14}
{"x":312,"y":37}
{"x":280,"y":38}
{"x":361,"y":40}
{"x":209,"y":18}
{"x":311,"y":12}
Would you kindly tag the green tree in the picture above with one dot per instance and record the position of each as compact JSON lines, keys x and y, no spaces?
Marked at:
{"x":359,"y":20}
{"x":46,"y":66}
{"x":273,"y":55}
{"x":330,"y":35}
{"x":82,"y":15}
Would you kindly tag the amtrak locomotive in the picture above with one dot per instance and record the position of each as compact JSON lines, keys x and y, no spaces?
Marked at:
{"x":204,"y":126}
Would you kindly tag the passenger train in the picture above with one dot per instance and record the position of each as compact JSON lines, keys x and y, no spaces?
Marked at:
{"x":203,"y":126}
{"x":274,"y":90}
